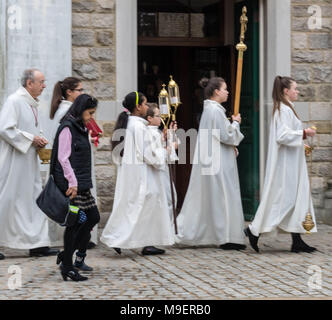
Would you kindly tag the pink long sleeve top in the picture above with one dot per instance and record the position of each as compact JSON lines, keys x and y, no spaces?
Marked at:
{"x":64,"y":152}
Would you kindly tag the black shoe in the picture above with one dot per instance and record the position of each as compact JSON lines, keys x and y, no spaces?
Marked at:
{"x":252,"y":239}
{"x":59,"y":258}
{"x":91,"y":245}
{"x":43,"y":251}
{"x":299,"y":245}
{"x":152,"y":251}
{"x":2,"y":257}
{"x":72,"y":274}
{"x":232,"y":246}
{"x":117,"y":250}
{"x":80,"y":264}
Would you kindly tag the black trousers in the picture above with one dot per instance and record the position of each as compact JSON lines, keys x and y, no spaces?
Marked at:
{"x":78,"y":236}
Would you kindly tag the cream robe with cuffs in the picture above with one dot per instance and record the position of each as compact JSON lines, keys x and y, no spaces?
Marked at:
{"x":22,"y":224}
{"x":158,"y":141}
{"x":55,"y":230}
{"x":212,"y":209}
{"x":285,"y":197}
{"x":140,"y":214}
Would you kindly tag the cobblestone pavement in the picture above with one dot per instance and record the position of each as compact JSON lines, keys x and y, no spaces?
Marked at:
{"x":183,"y":273}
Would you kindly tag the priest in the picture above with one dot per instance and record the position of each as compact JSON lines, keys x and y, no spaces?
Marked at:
{"x":22,"y":224}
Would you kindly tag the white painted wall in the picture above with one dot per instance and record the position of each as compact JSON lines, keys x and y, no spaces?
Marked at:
{"x":34,"y":33}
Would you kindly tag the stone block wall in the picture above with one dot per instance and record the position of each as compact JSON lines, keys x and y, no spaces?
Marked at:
{"x":93,"y":61}
{"x":312,"y":69}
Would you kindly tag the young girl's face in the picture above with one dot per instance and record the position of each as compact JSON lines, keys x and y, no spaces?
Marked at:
{"x":88,"y":115}
{"x":73,"y":94}
{"x":155,"y":120}
{"x":222,"y":93}
{"x":142,"y":108}
{"x":292,"y":93}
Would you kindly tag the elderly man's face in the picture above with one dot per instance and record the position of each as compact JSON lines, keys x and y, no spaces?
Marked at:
{"x":37,"y":86}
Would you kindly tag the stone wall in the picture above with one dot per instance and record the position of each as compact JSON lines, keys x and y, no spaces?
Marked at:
{"x":93,"y":54}
{"x":312,"y":68}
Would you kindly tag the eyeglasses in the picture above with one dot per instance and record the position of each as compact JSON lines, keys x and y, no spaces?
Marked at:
{"x":80,"y":90}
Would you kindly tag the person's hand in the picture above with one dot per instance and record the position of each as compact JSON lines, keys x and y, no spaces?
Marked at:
{"x":173,"y":125}
{"x":310,"y":132}
{"x":72,"y":192}
{"x":236,"y":152}
{"x":39,"y":142}
{"x":237,"y":118}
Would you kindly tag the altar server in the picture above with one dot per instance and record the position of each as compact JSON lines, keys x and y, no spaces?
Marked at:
{"x":140,"y":215}
{"x":285,"y":199}
{"x":22,"y":224}
{"x":212,"y":210}
{"x":168,"y":142}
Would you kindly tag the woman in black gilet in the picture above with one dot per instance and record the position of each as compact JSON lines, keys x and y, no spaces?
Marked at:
{"x":71,"y":168}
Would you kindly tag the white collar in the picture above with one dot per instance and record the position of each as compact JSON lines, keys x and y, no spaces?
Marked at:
{"x":208,"y":101}
{"x":153,"y":127}
{"x":27,"y":97}
{"x":140,"y":119}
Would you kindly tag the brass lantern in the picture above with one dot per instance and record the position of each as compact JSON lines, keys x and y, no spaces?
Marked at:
{"x":174,"y":96}
{"x":164,"y":105}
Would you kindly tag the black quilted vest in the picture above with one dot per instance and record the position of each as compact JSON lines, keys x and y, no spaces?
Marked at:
{"x":80,"y":158}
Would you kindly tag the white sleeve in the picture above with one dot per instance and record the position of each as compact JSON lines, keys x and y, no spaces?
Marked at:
{"x":226,"y":132}
{"x":285,"y":135}
{"x":18,"y":139}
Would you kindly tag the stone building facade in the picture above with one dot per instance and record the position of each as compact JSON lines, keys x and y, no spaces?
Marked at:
{"x":312,"y":68}
{"x":94,"y":61}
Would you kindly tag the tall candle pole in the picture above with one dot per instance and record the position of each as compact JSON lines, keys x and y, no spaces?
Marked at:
{"x":241,"y":47}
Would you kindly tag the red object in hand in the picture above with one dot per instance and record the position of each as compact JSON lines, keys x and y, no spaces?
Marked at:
{"x":95,"y":130}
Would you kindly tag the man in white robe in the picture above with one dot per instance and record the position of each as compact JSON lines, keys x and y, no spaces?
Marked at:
{"x":22,"y":224}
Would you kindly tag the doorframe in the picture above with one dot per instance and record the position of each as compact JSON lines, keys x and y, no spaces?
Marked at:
{"x":275,"y":59}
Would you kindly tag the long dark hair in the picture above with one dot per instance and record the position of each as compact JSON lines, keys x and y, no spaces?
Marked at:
{"x":60,"y":92}
{"x":281,"y":83}
{"x":129,"y":103}
{"x":81,"y":103}
{"x":210,"y":85}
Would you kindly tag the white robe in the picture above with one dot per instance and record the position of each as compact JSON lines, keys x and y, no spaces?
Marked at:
{"x":55,"y":230}
{"x":140,"y":214}
{"x":166,"y":185}
{"x":212,"y":210}
{"x":22,"y":224}
{"x":285,"y":198}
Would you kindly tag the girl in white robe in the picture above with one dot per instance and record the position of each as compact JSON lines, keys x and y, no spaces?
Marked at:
{"x":285,"y":198}
{"x":64,"y":94}
{"x":140,"y":215}
{"x":212,"y":209}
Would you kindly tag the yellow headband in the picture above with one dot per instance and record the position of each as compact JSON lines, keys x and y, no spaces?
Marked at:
{"x":136,"y":98}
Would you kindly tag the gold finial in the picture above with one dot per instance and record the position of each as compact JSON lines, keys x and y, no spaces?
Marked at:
{"x":163,"y":92}
{"x":171,"y":83}
{"x":243,"y":20}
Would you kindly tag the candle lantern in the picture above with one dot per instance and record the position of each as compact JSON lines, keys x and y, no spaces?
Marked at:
{"x":164,"y":105}
{"x":174,"y":96}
